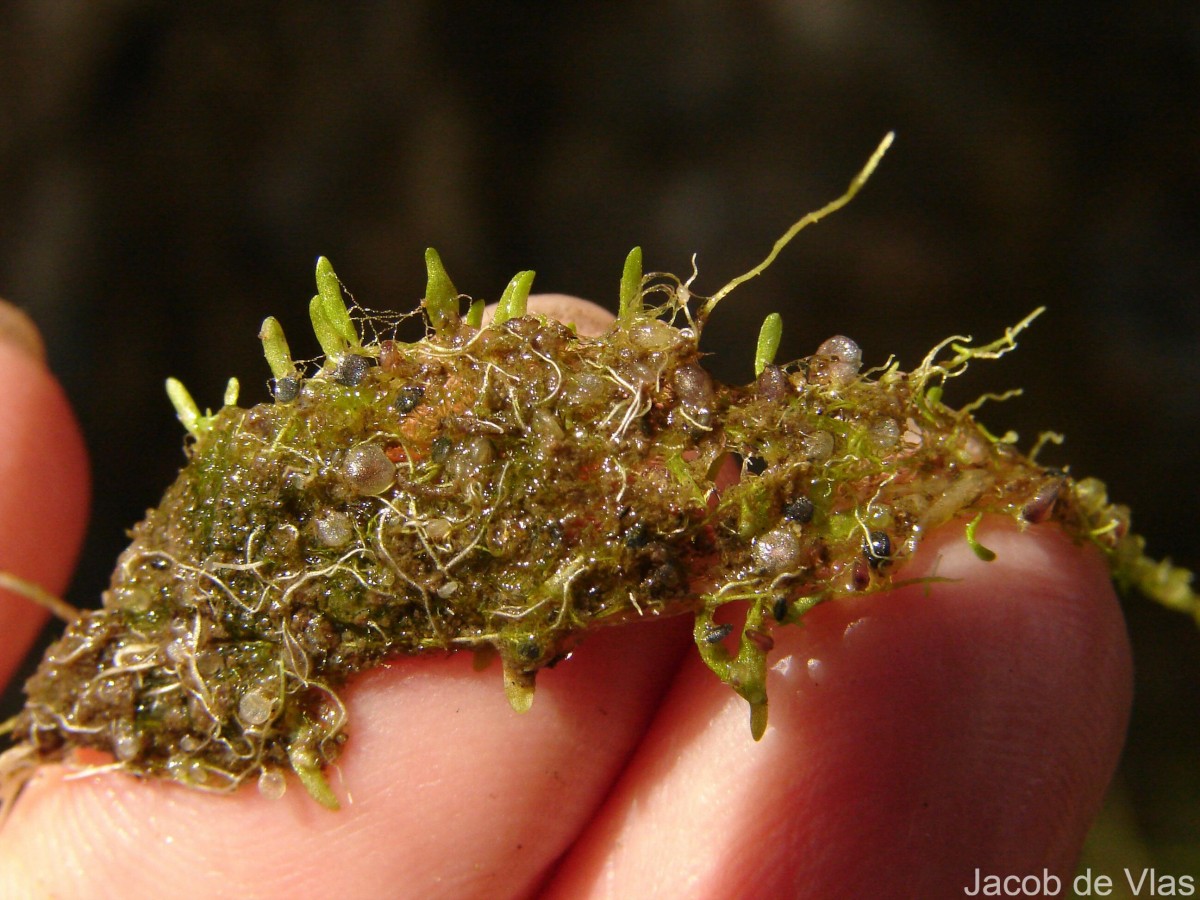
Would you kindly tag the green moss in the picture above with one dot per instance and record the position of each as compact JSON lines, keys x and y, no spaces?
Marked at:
{"x":507,"y":489}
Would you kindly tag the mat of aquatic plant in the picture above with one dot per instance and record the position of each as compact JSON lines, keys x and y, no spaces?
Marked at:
{"x":506,"y":488}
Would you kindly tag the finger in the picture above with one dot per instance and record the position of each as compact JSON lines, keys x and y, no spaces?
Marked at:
{"x":43,"y":483}
{"x":914,"y":737}
{"x":589,"y":318}
{"x":453,"y":794}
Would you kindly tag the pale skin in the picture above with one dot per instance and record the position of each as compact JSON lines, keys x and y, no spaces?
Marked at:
{"x":913,"y":737}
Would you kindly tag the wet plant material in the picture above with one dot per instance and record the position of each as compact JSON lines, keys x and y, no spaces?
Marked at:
{"x":505,"y":488}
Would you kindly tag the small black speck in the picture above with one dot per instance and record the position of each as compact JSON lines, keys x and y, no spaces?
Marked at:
{"x":717,"y":633}
{"x":409,"y":398}
{"x":352,"y":370}
{"x":286,"y":389}
{"x":637,"y":536}
{"x":780,"y":609}
{"x":439,"y":449}
{"x":799,"y":510}
{"x":877,"y":548}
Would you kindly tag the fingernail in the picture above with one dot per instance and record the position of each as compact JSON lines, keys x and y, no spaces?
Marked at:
{"x":17,"y":330}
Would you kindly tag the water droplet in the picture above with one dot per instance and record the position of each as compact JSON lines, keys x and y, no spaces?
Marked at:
{"x":855,"y":630}
{"x":818,"y":446}
{"x":126,"y":743}
{"x":783,"y":666}
{"x":333,"y":528}
{"x":368,"y":469}
{"x":694,"y":387}
{"x":272,"y":784}
{"x":883,"y":435}
{"x":437,"y":529}
{"x":842,"y":349}
{"x":776,"y":551}
{"x":255,"y":707}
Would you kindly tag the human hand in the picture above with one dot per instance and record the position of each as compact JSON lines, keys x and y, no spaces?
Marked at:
{"x":914,"y":737}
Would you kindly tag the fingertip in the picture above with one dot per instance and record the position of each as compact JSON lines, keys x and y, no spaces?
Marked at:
{"x":590,"y":319}
{"x":972,"y":721}
{"x":18,"y":331}
{"x":987,"y":708}
{"x":43,"y":505}
{"x":444,"y":790}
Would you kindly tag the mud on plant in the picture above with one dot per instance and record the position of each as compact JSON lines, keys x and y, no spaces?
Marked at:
{"x":400,"y":498}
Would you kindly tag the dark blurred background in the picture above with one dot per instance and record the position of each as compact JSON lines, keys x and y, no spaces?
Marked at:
{"x":169,"y":173}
